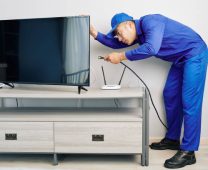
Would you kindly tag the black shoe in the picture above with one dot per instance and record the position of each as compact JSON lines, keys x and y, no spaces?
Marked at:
{"x":166,"y":144}
{"x":181,"y":159}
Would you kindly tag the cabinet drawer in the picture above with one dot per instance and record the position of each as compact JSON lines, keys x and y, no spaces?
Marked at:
{"x":26,"y":137}
{"x":98,"y":137}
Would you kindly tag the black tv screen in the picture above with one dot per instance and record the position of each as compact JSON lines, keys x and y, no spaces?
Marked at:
{"x":45,"y":51}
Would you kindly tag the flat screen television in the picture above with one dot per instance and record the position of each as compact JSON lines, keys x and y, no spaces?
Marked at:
{"x":48,"y":51}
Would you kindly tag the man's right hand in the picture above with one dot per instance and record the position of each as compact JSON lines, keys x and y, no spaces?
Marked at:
{"x":115,"y":57}
{"x":93,"y":31}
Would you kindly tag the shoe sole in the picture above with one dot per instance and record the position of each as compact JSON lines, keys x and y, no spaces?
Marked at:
{"x":164,"y":148}
{"x":190,"y":162}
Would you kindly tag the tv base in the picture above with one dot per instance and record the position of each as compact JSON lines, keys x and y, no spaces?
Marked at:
{"x":81,"y":88}
{"x":1,"y":85}
{"x":7,"y":84}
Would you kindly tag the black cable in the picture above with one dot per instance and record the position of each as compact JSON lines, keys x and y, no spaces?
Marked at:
{"x":148,"y":92}
{"x":17,"y":102}
{"x":116,"y":103}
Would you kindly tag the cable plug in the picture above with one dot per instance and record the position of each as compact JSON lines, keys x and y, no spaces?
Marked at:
{"x":101,"y":57}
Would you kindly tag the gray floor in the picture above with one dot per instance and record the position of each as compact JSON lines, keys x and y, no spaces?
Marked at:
{"x":96,"y":162}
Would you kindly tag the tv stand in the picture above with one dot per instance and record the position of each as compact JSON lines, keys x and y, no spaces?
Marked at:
{"x":99,"y":127}
{"x":81,"y":88}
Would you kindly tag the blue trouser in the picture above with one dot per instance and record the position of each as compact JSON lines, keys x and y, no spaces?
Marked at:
{"x":183,"y":95}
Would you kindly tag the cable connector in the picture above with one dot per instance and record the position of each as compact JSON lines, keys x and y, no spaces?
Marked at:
{"x":101,"y":57}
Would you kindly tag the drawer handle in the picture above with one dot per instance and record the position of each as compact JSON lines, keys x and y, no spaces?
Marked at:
{"x":97,"y":137}
{"x":10,"y":136}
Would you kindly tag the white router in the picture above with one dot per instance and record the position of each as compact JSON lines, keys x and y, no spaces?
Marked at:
{"x":111,"y":86}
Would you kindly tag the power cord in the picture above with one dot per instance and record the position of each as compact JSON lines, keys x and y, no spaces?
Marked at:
{"x":116,"y":103}
{"x":148,"y":92}
{"x":100,"y":57}
{"x":17,"y":102}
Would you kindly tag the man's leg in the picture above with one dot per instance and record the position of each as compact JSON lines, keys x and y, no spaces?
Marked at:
{"x":173,"y":102}
{"x":173,"y":106}
{"x":194,"y":76}
{"x":192,"y":96}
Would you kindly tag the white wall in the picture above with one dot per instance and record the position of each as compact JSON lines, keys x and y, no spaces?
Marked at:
{"x":153,"y":71}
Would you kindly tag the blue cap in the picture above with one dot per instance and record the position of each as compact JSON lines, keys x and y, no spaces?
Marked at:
{"x":116,"y":20}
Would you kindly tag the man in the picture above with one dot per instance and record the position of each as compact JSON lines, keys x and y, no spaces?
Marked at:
{"x":171,"y":41}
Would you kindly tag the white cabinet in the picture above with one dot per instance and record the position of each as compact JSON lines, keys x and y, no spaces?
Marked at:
{"x":91,"y":130}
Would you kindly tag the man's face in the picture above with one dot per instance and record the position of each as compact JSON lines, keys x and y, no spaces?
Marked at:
{"x":126,"y":32}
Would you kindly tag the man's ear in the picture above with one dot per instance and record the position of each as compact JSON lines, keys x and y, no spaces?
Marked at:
{"x":131,"y":24}
{"x":128,"y":24}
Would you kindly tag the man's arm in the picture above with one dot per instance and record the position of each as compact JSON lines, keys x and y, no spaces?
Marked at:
{"x":110,"y":42}
{"x":107,"y":41}
{"x":153,"y":31}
